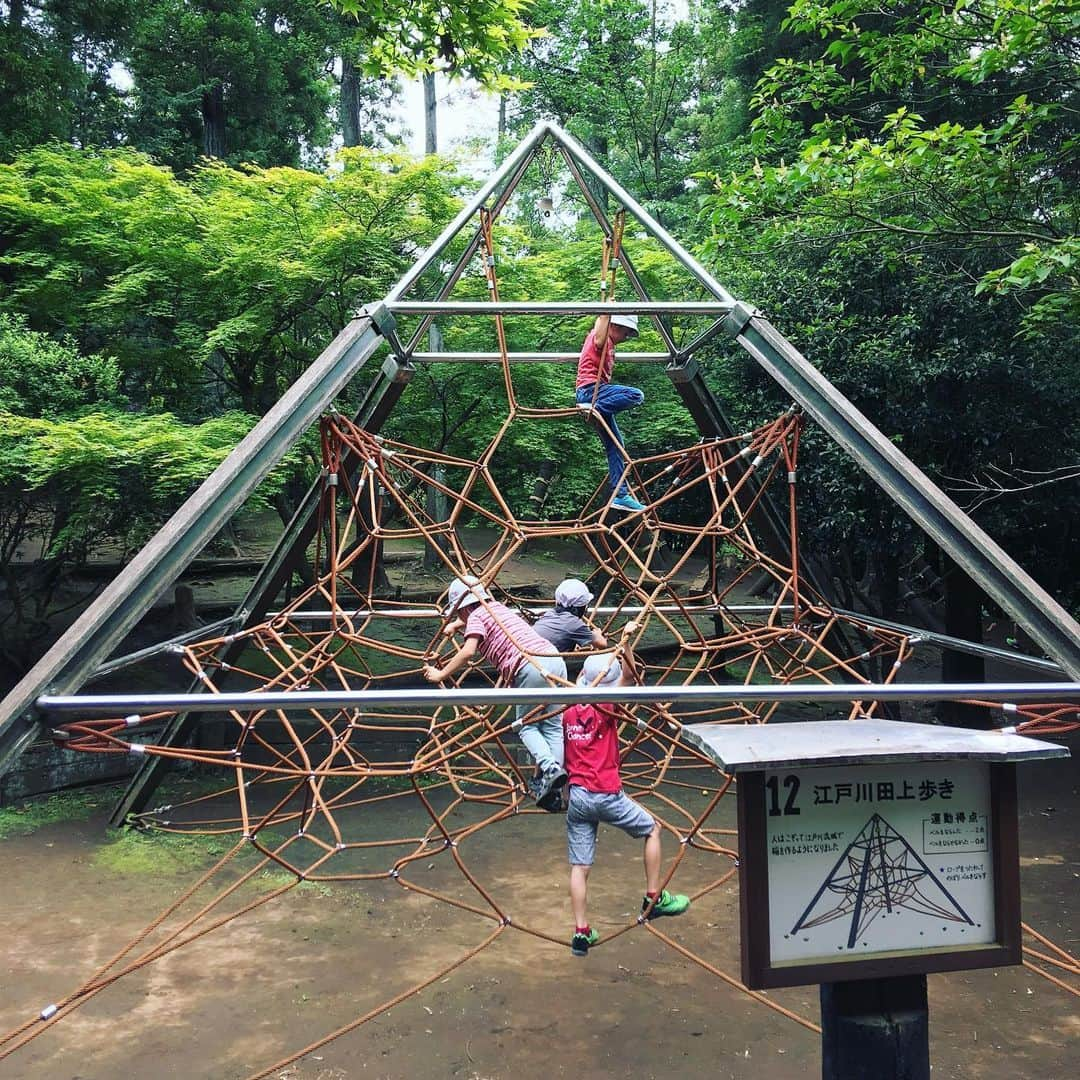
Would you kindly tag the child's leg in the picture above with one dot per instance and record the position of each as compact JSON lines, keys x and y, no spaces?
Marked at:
{"x":652,"y":860}
{"x":542,"y":738}
{"x":579,"y":883}
{"x":581,"y":823}
{"x":613,"y":398}
{"x":551,"y":727}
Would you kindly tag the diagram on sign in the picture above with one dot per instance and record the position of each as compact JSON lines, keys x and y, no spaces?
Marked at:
{"x":878,"y":873}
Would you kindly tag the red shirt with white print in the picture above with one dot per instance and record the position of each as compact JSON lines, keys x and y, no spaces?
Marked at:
{"x":591,"y":736}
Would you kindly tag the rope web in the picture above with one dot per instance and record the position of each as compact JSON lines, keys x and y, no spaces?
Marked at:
{"x":299,"y":781}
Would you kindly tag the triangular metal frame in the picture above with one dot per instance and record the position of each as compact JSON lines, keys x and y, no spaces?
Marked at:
{"x":86,"y":644}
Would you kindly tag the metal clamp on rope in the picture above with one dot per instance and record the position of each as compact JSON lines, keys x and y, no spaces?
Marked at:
{"x":48,"y":1012}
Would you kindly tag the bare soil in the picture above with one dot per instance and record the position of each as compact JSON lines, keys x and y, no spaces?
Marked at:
{"x":303,"y":964}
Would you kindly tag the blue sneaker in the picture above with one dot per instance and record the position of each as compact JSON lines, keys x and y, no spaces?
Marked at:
{"x":628,"y":503}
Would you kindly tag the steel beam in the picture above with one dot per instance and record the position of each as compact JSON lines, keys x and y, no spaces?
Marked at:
{"x":680,"y":253}
{"x":995,"y":572}
{"x":605,"y":224}
{"x":523,"y":150}
{"x":128,"y":597}
{"x":513,"y":178}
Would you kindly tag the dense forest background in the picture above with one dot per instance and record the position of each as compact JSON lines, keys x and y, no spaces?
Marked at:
{"x":196,"y":194}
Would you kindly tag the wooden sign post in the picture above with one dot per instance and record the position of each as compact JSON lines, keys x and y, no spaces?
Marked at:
{"x":870,"y":853}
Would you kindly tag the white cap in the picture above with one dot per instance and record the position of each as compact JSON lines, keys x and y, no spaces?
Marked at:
{"x":600,"y":669}
{"x":627,"y":322}
{"x":464,"y":592}
{"x":573,"y":593}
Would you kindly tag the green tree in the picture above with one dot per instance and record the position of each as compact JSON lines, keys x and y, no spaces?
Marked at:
{"x":55,"y":62}
{"x":213,"y":293}
{"x":924,"y":263}
{"x":76,"y":470}
{"x":619,"y":75}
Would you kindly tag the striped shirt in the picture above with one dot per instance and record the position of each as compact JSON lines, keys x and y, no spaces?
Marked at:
{"x":504,"y":637}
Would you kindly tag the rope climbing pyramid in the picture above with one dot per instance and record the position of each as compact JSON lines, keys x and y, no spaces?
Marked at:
{"x":302,"y":782}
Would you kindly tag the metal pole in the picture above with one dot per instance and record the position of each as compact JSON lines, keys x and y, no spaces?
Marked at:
{"x":434,"y":250}
{"x":127,"y":704}
{"x":558,"y":307}
{"x":472,"y":245}
{"x":528,"y":357}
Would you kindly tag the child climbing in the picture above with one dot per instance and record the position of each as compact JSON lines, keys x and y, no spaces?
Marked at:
{"x":598,"y":396}
{"x":565,"y":627}
{"x":592,"y":761}
{"x":523,"y":659}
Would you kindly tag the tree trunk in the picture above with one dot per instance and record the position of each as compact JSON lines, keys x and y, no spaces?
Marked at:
{"x":963,"y":619}
{"x":502,"y":115}
{"x":213,"y":117}
{"x":16,"y":14}
{"x":350,"y":103}
{"x":430,"y":134}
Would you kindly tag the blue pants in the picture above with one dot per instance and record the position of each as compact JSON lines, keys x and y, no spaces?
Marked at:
{"x":612,"y":399}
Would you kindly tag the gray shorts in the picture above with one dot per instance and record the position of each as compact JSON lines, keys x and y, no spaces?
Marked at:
{"x":585,"y":812}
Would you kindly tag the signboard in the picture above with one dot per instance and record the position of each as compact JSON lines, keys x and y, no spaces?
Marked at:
{"x":860,"y":870}
{"x":864,"y":860}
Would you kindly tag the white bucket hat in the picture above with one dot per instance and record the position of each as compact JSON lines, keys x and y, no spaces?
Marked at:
{"x":627,"y":322}
{"x":572,"y":593}
{"x":600,"y":669}
{"x":464,"y":592}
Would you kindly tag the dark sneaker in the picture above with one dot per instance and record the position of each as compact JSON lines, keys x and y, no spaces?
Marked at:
{"x":553,"y":778}
{"x":552,"y":802}
{"x":579,"y":943}
{"x":666,"y":904}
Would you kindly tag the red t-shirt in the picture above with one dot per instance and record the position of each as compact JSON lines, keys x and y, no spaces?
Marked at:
{"x":591,"y":734}
{"x":591,"y":366}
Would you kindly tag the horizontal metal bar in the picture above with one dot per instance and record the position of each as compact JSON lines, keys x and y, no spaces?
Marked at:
{"x":433,"y":612}
{"x":130,"y":704}
{"x":523,"y":150}
{"x":104,"y":624}
{"x":530,"y":357}
{"x":715,"y":308}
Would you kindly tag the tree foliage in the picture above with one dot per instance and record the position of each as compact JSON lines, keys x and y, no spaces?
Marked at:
{"x":911,"y":219}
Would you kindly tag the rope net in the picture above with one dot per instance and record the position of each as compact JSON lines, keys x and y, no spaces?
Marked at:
{"x":302,"y":782}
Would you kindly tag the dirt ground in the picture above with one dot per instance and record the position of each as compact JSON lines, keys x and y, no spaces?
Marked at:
{"x":305,"y":963}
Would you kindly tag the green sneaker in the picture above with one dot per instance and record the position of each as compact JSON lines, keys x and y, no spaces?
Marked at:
{"x":579,"y":943}
{"x":666,"y":904}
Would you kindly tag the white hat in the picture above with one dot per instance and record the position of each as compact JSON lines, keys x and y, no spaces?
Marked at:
{"x":627,"y":322}
{"x":600,"y":669}
{"x":464,"y":592}
{"x":572,"y":593}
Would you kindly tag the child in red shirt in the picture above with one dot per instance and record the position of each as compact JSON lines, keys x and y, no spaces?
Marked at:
{"x":591,"y":733}
{"x":597,"y":395}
